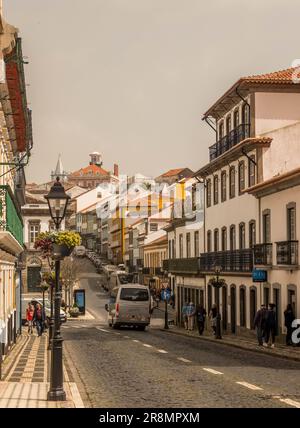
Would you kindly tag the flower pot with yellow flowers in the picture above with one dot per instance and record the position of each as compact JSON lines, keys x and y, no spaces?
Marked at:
{"x":57,"y":244}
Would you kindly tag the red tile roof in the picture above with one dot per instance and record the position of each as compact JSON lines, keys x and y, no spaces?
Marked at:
{"x":94,"y":169}
{"x":289,"y":76}
{"x":282,"y":76}
{"x":173,"y":172}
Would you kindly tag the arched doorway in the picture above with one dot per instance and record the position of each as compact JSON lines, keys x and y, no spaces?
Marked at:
{"x":233,"y":309}
{"x":224,"y":307}
{"x":34,"y":267}
{"x":253,"y":306}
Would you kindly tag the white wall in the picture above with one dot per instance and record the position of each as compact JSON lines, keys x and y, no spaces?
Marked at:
{"x":275,"y":110}
{"x":284,"y":152}
{"x":241,"y":208}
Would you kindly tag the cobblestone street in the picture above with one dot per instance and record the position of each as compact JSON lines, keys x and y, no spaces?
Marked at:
{"x":127,"y":368}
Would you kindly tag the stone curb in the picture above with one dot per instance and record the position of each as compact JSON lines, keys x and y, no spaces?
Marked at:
{"x":237,"y":345}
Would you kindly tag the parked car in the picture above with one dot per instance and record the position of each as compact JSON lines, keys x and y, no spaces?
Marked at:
{"x":129,"y":305}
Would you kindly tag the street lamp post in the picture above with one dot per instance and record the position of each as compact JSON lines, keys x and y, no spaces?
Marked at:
{"x":57,"y":201}
{"x":217,"y":283}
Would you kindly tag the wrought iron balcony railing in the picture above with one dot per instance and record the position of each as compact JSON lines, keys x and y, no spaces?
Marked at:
{"x":263,"y":254}
{"x":287,"y":253}
{"x":146,"y":271}
{"x":188,"y":265}
{"x":10,"y":217}
{"x":229,"y":261}
{"x":230,"y":140}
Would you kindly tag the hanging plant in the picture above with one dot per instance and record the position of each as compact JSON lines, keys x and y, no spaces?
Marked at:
{"x":57,"y":244}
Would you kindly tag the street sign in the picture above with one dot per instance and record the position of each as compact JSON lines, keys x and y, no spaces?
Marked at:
{"x":165,"y":295}
{"x":259,"y":275}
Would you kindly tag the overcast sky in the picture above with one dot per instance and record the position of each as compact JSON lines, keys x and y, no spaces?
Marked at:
{"x":132,"y":78}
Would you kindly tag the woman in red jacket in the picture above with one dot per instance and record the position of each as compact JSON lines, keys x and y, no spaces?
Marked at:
{"x":29,"y":317}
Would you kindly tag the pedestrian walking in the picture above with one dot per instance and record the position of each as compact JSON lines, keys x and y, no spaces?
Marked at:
{"x":213,"y":318}
{"x":39,"y":318}
{"x":270,"y":325}
{"x":289,"y":317}
{"x":184,"y":315}
{"x":191,"y":311}
{"x":201,"y":316}
{"x":29,"y":317}
{"x":260,"y":324}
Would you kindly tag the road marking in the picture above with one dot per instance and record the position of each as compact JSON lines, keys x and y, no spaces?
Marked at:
{"x":212,"y":371}
{"x":77,"y":326}
{"x":118,"y":334}
{"x":136,"y":341}
{"x":146,"y":345}
{"x":126,"y":337}
{"x":290,"y":402}
{"x":184,"y":360}
{"x":102,"y":329}
{"x":162,"y":351}
{"x":250,"y":386}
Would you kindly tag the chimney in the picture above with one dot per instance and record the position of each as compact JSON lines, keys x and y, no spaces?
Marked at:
{"x":116,"y":170}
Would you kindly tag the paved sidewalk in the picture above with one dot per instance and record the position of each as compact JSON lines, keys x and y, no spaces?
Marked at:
{"x":281,"y":351}
{"x":25,"y":380}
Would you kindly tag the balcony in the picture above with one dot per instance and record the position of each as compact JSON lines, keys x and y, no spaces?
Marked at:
{"x":263,"y":254}
{"x":10,"y":221}
{"x":146,"y":271}
{"x":287,"y":253}
{"x":229,"y":261}
{"x":188,"y":265}
{"x":230,"y":140}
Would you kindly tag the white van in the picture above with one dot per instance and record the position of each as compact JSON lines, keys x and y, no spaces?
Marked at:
{"x":119,"y":277}
{"x":79,"y":251}
{"x":129,"y":305}
{"x":107,"y":271}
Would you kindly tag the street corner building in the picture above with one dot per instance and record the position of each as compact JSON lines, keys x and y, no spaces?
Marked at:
{"x":250,"y":209}
{"x":15,"y":146}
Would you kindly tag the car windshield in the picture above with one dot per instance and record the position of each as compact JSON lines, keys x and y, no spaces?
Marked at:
{"x":134,"y":295}
{"x":125,"y":278}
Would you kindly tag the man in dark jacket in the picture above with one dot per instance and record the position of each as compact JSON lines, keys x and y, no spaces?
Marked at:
{"x":271,"y":323}
{"x":288,"y":322}
{"x":39,"y":318}
{"x":200,"y":315}
{"x":259,"y":324}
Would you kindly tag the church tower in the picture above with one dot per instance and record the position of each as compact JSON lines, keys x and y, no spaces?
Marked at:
{"x":59,"y":171}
